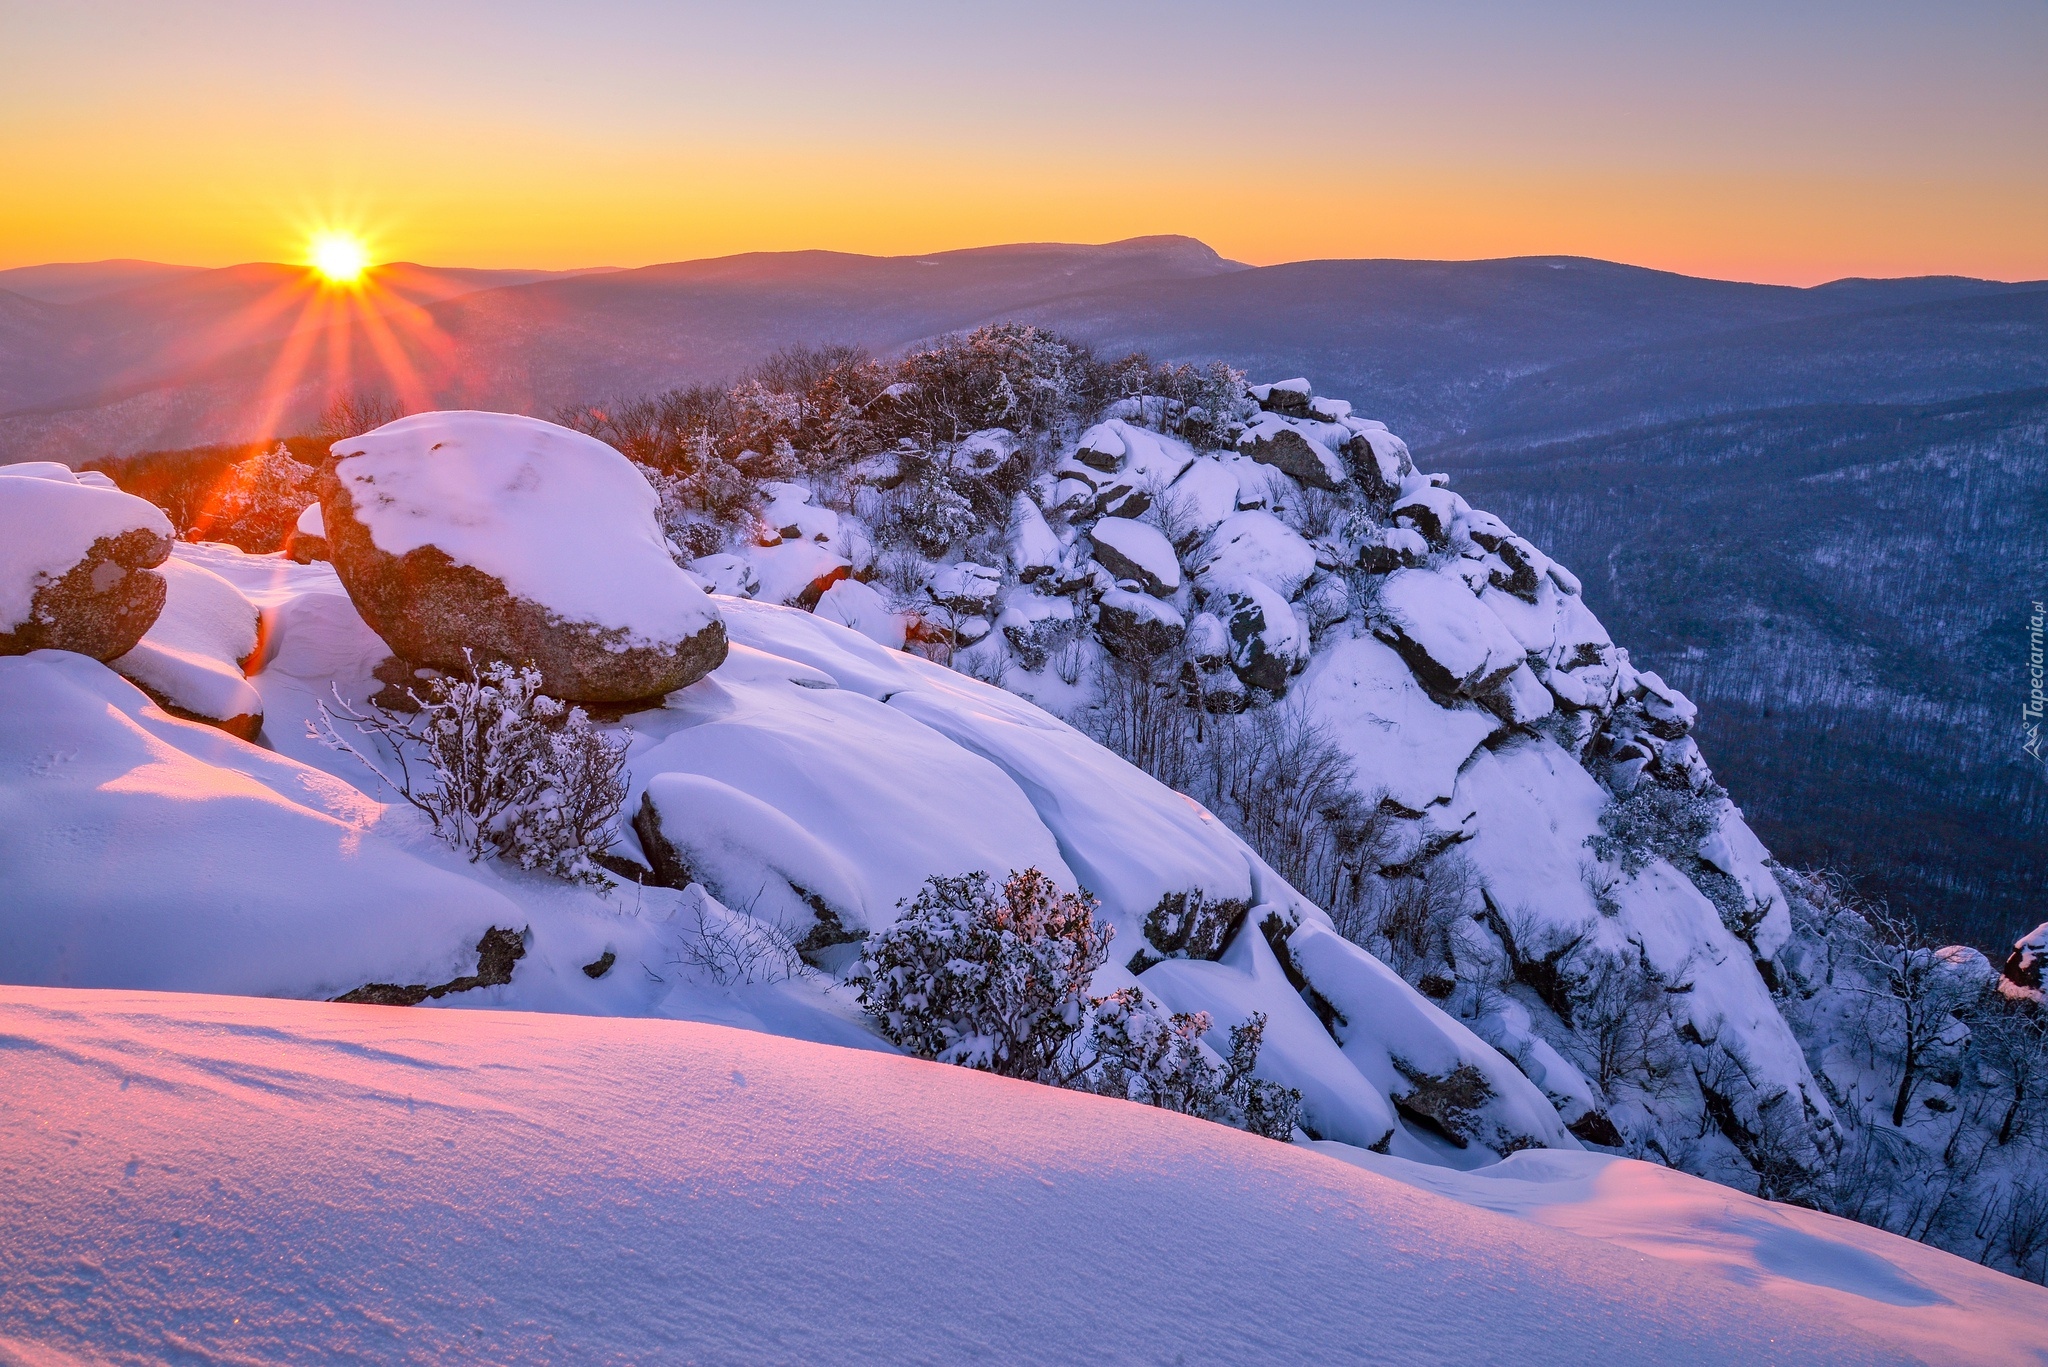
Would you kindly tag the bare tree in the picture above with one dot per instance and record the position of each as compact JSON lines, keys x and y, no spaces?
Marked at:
{"x":1916,"y":993}
{"x":353,"y":413}
{"x":1625,"y":1026}
{"x":2012,"y":1045}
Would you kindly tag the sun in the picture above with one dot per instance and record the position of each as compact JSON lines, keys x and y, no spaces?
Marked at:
{"x":341,"y":259}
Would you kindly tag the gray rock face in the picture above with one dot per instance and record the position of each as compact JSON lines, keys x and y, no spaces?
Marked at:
{"x":1134,"y":626}
{"x":430,"y":610}
{"x":1281,"y":446}
{"x":109,"y":596}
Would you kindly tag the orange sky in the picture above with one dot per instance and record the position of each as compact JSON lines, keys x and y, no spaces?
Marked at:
{"x":1850,"y":140}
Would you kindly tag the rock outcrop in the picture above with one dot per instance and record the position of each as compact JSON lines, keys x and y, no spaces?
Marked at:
{"x":77,"y":565}
{"x":505,"y":537}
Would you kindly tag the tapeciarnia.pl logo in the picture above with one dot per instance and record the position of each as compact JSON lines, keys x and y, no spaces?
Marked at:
{"x":2030,"y":715}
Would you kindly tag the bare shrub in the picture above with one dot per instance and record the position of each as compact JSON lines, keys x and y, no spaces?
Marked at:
{"x":733,"y":948}
{"x":507,"y":768}
{"x":1625,"y":1029}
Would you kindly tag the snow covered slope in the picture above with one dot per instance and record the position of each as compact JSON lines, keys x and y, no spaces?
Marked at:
{"x":198,"y":1178}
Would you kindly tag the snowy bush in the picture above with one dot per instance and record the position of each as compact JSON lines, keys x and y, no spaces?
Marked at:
{"x":988,"y":977}
{"x":508,"y":769}
{"x":1143,"y":1053}
{"x":1657,"y":821}
{"x":256,"y":503}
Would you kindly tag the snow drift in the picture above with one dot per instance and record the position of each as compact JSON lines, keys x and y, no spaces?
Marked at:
{"x":266,"y":1181}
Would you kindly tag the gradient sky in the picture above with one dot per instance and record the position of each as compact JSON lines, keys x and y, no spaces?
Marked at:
{"x":1785,"y":141}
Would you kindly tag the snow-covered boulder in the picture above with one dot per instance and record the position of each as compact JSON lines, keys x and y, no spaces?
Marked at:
{"x":1102,"y":448}
{"x":308,"y":540}
{"x":1399,"y":740}
{"x":1137,"y":626}
{"x":1135,"y":551}
{"x":965,"y":588}
{"x":1149,"y":462}
{"x":2022,"y":967}
{"x":1295,"y":448}
{"x":1291,"y":397}
{"x":797,"y":571}
{"x":1254,"y":544}
{"x":1034,"y":550}
{"x":77,"y":565}
{"x":1268,"y":642}
{"x":1202,"y":497}
{"x":1446,"y":1080}
{"x":852,"y":603}
{"x":512,"y":538}
{"x":1379,"y":459}
{"x":729,"y":574}
{"x":192,"y":659}
{"x":1431,"y":511}
{"x":1452,"y":642}
{"x":1033,"y":624}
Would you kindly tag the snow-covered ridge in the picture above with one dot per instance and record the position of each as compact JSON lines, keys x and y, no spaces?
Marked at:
{"x":1311,"y":566}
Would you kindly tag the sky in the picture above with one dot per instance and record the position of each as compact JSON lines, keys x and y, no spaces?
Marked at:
{"x":1794,"y":141}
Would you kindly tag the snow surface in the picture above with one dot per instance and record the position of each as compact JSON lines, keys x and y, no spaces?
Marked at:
{"x":1256,"y":545}
{"x":201,"y":1178}
{"x":51,"y":525}
{"x":193,"y":653}
{"x":142,"y":851}
{"x":562,"y":519}
{"x":1394,"y":734}
{"x":853,"y":604}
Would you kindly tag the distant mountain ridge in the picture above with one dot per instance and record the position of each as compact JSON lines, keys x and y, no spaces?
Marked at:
{"x":1449,"y":350}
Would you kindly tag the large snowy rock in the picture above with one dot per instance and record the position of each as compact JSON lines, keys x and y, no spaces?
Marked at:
{"x":1133,"y":550}
{"x":1126,"y":465}
{"x":1137,"y":626}
{"x":76,"y":565}
{"x":1268,"y":642}
{"x":1202,"y":497}
{"x":308,"y":539}
{"x":515,"y":539}
{"x":887,"y":802}
{"x":1401,"y":742}
{"x":1255,"y":545}
{"x":1299,"y":449}
{"x":192,"y":660}
{"x":853,"y":604}
{"x":1453,"y":642}
{"x":1034,"y":550}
